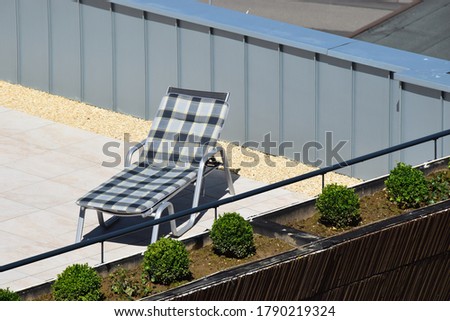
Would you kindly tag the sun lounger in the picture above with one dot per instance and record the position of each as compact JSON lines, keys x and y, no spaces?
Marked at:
{"x":181,"y":149}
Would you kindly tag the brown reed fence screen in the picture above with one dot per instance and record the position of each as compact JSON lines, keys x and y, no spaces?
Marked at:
{"x":406,"y":261}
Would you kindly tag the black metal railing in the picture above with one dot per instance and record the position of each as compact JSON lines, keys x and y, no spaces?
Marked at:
{"x":137,"y":227}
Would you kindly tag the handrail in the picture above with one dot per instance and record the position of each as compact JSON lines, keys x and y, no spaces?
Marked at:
{"x":215,"y":204}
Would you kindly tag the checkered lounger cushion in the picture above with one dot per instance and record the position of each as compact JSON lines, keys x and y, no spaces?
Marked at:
{"x":137,"y":189}
{"x":184,"y":128}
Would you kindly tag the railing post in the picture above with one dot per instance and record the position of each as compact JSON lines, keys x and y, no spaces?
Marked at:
{"x":435,"y":148}
{"x":102,"y":250}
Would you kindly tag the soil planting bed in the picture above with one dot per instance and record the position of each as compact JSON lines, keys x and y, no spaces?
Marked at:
{"x":204,"y":262}
{"x":374,"y":207}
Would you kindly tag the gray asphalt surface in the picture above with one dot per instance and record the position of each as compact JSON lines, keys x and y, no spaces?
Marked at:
{"x":423,"y":29}
{"x":342,"y":17}
{"x":418,"y":26}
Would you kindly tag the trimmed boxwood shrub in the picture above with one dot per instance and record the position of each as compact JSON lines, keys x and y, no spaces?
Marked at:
{"x":166,"y":261}
{"x":8,"y":295}
{"x":232,"y":236}
{"x":407,"y":186}
{"x":78,"y":282}
{"x":338,"y":206}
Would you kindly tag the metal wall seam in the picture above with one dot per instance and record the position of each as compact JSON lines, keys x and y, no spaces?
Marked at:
{"x":401,"y":111}
{"x":441,"y":154}
{"x":114,"y":57}
{"x":317,"y":103}
{"x":280,"y":96}
{"x":82,"y":74}
{"x":50,"y":47}
{"x":353,"y":116}
{"x":390,"y":116}
{"x":211,"y":59}
{"x":146,"y":67}
{"x":246,"y":89}
{"x":18,"y":40}
{"x":179,"y":67}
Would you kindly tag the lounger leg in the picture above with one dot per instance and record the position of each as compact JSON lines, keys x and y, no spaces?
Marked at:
{"x":227,"y":172}
{"x":180,"y":230}
{"x":80,"y":225}
{"x":101,"y":220}
{"x":158,"y":214}
{"x":203,"y":187}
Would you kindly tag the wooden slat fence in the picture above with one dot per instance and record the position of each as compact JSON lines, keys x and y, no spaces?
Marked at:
{"x":405,"y":261}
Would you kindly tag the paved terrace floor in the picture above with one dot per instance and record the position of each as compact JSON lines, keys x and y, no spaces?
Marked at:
{"x":45,"y":167}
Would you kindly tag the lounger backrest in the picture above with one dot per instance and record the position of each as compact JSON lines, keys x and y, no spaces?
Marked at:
{"x":184,"y":128}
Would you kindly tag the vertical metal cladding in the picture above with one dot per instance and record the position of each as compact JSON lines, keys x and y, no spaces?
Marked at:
{"x":294,"y":84}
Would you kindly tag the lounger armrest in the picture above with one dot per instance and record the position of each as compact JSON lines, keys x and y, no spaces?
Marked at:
{"x":132,"y":150}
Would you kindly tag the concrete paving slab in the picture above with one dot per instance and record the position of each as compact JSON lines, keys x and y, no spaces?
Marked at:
{"x":54,"y":166}
{"x":13,"y":178}
{"x":17,"y":123}
{"x":12,"y":151}
{"x":52,"y":136}
{"x":49,"y":164}
{"x":11,"y":209}
{"x":43,"y":194}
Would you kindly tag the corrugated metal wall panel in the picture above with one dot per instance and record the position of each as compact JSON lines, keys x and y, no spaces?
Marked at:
{"x":263,"y":91}
{"x":371,"y":115}
{"x":299,"y":103}
{"x":194,"y":56}
{"x":229,"y":75}
{"x":129,"y":62}
{"x":446,"y":123}
{"x":8,"y":39}
{"x":292,"y":83}
{"x":421,"y":115}
{"x":162,"y":58}
{"x":97,"y":53}
{"x":33,"y":30}
{"x":334,"y":110}
{"x":65,"y":62}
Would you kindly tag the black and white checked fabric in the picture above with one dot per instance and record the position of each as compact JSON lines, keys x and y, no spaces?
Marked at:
{"x":184,"y":128}
{"x":137,"y":189}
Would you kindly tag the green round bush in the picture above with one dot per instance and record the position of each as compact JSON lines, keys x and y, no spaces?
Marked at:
{"x":338,"y":206}
{"x":166,"y":261}
{"x":8,"y":295}
{"x":406,"y":186}
{"x":78,"y":282}
{"x":232,"y":236}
